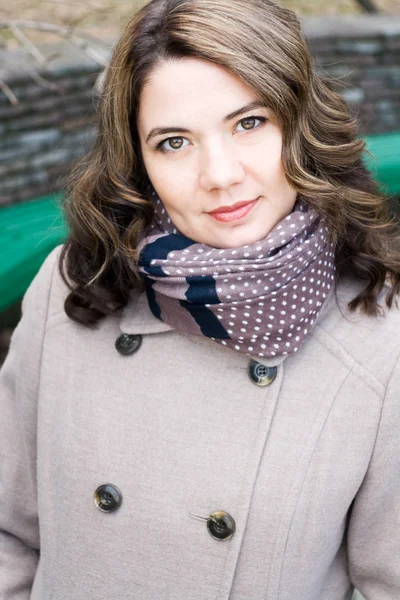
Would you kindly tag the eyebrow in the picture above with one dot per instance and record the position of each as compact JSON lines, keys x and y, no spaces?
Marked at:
{"x":164,"y":130}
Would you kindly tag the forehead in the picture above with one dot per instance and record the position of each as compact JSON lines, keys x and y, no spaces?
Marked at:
{"x":190,"y":89}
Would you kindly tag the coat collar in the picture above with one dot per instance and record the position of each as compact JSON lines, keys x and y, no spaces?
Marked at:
{"x":137,"y":317}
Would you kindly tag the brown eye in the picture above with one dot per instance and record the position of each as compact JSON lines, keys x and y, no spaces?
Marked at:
{"x":175,"y":143}
{"x":171,"y":144}
{"x":248,"y":123}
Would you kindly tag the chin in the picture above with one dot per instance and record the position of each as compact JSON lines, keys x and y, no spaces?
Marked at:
{"x":237,"y":240}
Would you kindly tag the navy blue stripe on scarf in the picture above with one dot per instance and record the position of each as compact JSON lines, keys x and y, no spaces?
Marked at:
{"x":202,"y":291}
{"x":159,"y":249}
{"x":206,"y":320}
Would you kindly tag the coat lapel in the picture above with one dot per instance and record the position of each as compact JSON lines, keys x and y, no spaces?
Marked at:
{"x":137,"y":317}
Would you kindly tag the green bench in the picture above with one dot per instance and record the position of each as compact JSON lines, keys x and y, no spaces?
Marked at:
{"x":29,"y":231}
{"x":386,"y":166}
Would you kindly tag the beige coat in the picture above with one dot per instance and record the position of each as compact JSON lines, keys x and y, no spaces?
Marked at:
{"x":308,"y":466}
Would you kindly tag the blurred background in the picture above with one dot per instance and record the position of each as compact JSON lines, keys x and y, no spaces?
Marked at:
{"x":106,"y":17}
{"x":52,"y":54}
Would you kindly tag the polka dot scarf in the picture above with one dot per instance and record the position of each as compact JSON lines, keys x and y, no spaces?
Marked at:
{"x":261,"y":299}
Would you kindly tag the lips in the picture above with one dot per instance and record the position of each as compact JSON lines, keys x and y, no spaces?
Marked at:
{"x":236,"y":212}
{"x":224,"y":209}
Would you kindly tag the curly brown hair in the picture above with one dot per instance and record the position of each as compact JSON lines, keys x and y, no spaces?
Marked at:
{"x":262,"y":44}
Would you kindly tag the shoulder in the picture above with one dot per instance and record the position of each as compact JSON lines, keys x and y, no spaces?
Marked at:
{"x":47,"y":292}
{"x":372,"y":342}
{"x":23,"y":360}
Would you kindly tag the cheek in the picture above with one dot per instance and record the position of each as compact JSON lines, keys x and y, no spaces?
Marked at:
{"x":272,"y":176}
{"x":174,"y":191}
{"x":267,"y":160}
{"x":165,"y":181}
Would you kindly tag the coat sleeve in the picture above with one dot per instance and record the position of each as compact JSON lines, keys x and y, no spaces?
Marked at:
{"x":19,"y":385}
{"x":374,"y":525}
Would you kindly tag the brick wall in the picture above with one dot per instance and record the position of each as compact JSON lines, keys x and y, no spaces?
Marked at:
{"x":49,"y":129}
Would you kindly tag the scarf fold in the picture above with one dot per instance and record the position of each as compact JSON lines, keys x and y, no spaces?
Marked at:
{"x":261,"y":299}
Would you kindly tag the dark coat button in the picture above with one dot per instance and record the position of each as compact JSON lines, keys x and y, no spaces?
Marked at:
{"x":128,"y":343}
{"x":107,"y":498}
{"x":221,"y":525}
{"x":260,"y":374}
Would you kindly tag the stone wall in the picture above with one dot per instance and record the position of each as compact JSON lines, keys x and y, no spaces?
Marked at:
{"x":42,"y":136}
{"x":50,"y":128}
{"x":362,"y":55}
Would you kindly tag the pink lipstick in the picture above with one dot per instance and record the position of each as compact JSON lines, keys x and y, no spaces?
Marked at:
{"x":226,"y":214}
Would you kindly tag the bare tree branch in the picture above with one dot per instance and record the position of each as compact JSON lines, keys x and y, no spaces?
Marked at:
{"x":61,"y":30}
{"x":8,"y":93}
{"x":94,"y":48}
{"x":50,"y":85}
{"x":32,"y":49}
{"x":28,"y":44}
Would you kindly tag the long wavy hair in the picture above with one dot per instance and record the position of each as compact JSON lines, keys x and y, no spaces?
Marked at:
{"x":262,"y":44}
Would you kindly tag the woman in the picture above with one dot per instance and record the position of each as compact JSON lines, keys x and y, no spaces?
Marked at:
{"x":201,"y":400}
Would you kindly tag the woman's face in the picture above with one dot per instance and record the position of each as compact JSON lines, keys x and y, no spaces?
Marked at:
{"x":212,"y":153}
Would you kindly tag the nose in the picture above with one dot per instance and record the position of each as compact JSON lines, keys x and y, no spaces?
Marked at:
{"x":220,"y":167}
